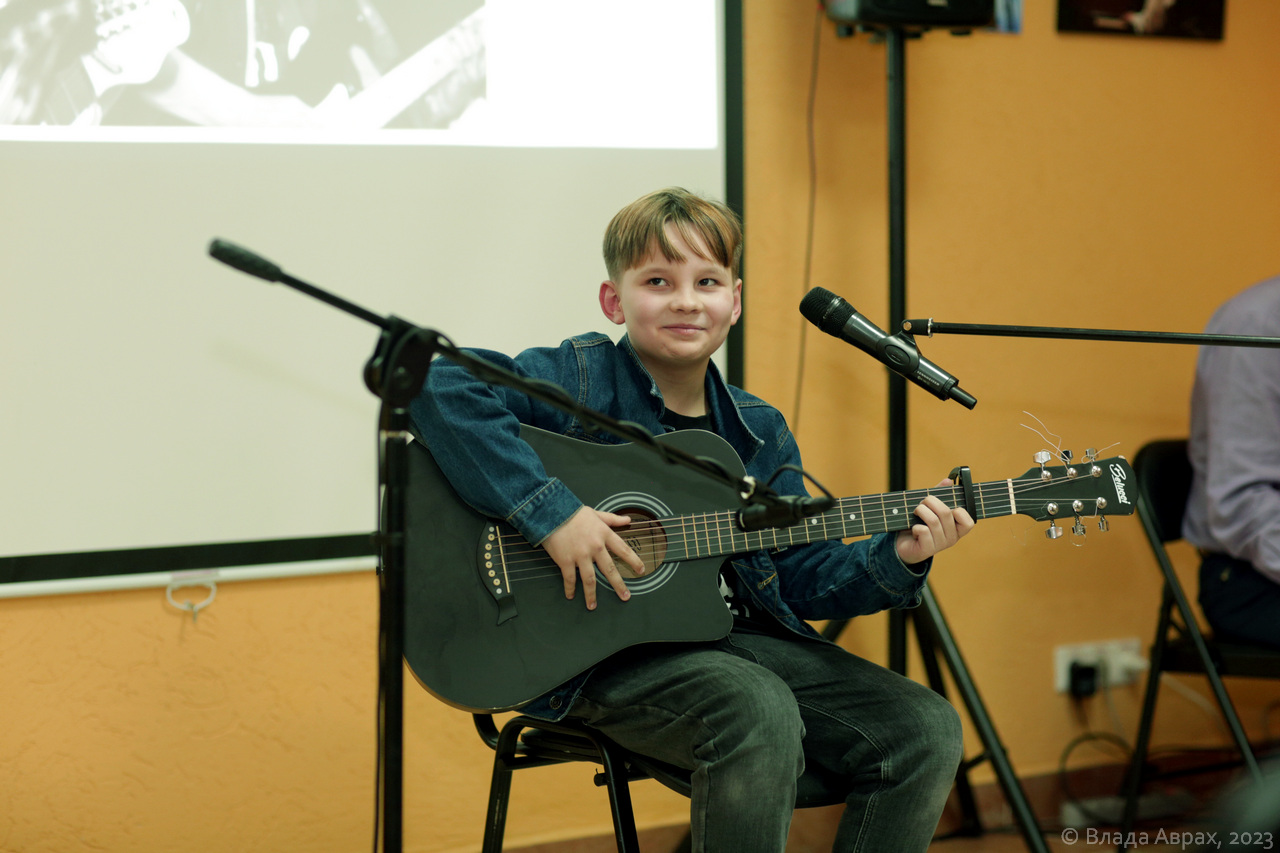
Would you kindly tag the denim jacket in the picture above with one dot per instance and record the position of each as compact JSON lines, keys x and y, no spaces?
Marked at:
{"x":472,"y":431}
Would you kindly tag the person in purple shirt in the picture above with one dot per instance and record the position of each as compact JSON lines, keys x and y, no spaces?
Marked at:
{"x":1233,"y":510}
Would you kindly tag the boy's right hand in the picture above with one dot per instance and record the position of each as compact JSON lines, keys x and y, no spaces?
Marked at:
{"x":587,"y":540}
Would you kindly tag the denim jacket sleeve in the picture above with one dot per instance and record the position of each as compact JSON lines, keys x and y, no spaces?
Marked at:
{"x":473,"y":431}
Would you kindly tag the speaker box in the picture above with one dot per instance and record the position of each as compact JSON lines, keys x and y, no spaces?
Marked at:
{"x":912,"y":13}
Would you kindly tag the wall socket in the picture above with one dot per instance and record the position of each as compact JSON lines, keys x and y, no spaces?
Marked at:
{"x":1117,"y":657}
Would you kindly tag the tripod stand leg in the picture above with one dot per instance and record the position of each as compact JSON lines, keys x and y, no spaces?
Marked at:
{"x":971,"y":821}
{"x":937,"y":626}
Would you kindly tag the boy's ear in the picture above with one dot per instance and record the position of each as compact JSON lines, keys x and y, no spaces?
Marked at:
{"x":737,"y":301}
{"x":611,"y":302}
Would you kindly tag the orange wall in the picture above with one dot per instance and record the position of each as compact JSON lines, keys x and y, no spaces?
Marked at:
{"x":1053,"y":180}
{"x":126,"y":726}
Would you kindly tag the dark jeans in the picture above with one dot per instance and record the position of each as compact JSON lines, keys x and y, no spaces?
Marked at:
{"x":1239,"y":602}
{"x":746,"y":713}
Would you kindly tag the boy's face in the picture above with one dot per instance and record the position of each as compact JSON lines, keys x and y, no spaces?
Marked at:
{"x":677,"y":313}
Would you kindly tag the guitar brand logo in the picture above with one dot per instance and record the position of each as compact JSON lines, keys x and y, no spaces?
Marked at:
{"x":1118,"y":477}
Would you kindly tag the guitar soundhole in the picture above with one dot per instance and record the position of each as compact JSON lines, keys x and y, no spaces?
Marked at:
{"x":647,"y":538}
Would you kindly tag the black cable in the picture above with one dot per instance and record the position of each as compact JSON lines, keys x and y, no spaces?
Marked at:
{"x":1063,"y":777}
{"x":813,"y":196}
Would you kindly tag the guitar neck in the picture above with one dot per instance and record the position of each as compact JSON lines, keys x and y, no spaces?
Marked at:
{"x":718,"y":534}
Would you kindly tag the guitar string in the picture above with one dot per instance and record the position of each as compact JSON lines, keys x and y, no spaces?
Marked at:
{"x":711,"y":527}
{"x":997,"y":488}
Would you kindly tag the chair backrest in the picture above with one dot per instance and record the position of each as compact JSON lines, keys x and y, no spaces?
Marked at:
{"x":1163,"y":471}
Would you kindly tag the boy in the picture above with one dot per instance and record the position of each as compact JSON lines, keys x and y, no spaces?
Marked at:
{"x":744,"y":714}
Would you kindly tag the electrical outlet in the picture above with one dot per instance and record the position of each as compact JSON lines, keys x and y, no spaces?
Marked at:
{"x":1119,"y":662}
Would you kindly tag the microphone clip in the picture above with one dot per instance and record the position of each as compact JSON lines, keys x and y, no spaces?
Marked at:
{"x":781,"y":511}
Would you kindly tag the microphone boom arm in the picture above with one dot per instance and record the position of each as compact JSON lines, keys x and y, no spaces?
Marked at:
{"x":930,"y":327}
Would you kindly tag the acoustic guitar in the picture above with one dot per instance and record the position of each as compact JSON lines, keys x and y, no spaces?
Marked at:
{"x":487,"y":626}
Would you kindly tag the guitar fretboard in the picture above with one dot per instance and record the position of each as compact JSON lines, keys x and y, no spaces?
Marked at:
{"x":718,"y":533}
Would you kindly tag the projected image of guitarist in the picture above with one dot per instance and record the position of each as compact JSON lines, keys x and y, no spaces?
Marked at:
{"x":338,"y":64}
{"x":749,"y":700}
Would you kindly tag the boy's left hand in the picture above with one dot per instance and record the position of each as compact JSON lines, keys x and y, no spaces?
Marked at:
{"x":937,"y":528}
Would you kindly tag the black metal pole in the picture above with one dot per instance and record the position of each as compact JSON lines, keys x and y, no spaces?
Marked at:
{"x":896,"y":60}
{"x":393,"y":434}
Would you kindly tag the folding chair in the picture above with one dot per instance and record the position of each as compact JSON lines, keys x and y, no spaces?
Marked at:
{"x":1163,"y":474}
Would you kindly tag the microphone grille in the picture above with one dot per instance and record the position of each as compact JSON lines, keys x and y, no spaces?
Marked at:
{"x":244,"y":260}
{"x":825,"y":310}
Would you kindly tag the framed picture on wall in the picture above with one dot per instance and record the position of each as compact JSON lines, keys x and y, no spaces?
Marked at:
{"x":1195,"y":19}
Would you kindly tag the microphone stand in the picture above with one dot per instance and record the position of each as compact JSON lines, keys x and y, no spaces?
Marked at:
{"x":930,"y":328}
{"x":395,"y":373}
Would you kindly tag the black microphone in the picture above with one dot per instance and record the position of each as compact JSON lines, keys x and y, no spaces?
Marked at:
{"x":256,"y":265}
{"x":244,"y":260}
{"x":898,"y":352}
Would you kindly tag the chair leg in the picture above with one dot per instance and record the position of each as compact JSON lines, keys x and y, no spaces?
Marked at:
{"x":624,"y":818}
{"x":500,"y":790}
{"x":1225,"y":704}
{"x":1132,"y":788}
{"x":496,"y":820}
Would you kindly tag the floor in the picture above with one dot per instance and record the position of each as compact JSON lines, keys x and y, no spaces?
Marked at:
{"x":669,"y":840}
{"x":813,"y":829}
{"x":1008,"y":841}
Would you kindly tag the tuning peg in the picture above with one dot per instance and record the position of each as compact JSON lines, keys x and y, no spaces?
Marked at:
{"x":1102,"y":524}
{"x":1090,"y":454}
{"x":1077,"y":507}
{"x":1042,"y":457}
{"x":1054,"y":532}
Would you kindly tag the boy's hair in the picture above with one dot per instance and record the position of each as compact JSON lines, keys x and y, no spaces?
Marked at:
{"x":641,"y":225}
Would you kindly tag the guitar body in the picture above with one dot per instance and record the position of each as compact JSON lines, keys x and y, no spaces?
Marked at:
{"x":480,"y":652}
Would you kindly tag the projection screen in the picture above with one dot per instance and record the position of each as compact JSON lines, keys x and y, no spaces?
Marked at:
{"x":451,"y":162}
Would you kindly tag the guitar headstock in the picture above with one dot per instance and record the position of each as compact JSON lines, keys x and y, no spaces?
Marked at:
{"x":1075,"y":491}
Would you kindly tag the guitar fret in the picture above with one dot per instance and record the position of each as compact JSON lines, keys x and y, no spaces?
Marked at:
{"x":726,"y":526}
{"x":686,"y":536}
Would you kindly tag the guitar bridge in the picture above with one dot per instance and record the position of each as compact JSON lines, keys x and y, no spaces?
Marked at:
{"x":492,"y":564}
